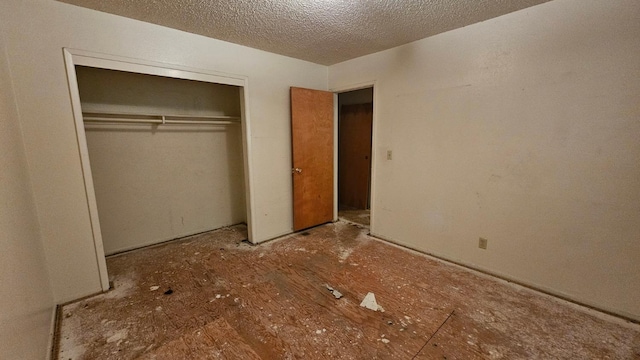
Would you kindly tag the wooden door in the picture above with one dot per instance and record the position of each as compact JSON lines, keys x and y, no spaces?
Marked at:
{"x":312,"y":147}
{"x":354,"y":155}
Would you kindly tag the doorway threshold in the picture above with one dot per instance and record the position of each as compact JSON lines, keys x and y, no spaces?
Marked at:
{"x":360,"y":217}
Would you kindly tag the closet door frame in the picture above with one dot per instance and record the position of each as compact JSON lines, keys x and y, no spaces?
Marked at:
{"x":75,"y":57}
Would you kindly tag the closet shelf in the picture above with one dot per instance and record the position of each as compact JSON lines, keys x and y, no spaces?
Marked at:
{"x":113,"y":118}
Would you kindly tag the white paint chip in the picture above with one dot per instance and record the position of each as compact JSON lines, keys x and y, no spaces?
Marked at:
{"x":154,"y":288}
{"x":337,"y":294}
{"x":370,"y":303}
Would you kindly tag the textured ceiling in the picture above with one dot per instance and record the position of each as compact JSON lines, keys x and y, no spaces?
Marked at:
{"x":321,"y":31}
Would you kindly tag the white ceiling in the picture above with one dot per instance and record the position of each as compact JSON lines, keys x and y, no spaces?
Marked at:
{"x":321,"y":31}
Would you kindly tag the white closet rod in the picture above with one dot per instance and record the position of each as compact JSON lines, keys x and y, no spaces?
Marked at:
{"x":158,"y":119}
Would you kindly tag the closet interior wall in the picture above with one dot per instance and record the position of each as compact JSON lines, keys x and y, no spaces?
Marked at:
{"x":159,"y":182}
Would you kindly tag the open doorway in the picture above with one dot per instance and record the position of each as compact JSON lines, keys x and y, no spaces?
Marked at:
{"x":173,"y":109}
{"x":165,"y":156}
{"x":355,"y":128}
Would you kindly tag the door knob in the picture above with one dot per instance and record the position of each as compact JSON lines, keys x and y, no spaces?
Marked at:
{"x":296,"y":170}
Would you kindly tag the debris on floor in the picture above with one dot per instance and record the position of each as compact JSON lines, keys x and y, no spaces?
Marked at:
{"x":370,"y":303}
{"x":335,"y":292}
{"x":154,"y":288}
{"x":281,"y":308}
{"x":168,"y":292}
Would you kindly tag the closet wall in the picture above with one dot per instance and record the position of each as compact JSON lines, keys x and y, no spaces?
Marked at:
{"x":159,"y":182}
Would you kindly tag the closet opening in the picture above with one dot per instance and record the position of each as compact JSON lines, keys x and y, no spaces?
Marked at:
{"x":164,"y":153}
{"x":355,"y":130}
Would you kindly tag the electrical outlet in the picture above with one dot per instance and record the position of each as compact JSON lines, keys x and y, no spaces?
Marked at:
{"x":389,"y":154}
{"x":482,"y":243}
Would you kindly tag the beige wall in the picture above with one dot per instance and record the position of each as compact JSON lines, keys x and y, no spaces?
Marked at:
{"x":522,"y":129}
{"x":37,"y":30}
{"x":26,"y":303}
{"x":156,"y":183}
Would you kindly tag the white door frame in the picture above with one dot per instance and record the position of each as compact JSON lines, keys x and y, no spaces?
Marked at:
{"x":75,"y":57}
{"x":336,"y":92}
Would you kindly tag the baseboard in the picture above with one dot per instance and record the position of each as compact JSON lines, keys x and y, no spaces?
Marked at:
{"x":277,"y":236}
{"x":52,"y":347}
{"x":611,"y":314}
{"x":150,"y":244}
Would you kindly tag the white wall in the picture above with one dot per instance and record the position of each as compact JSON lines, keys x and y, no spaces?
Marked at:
{"x":26,"y":304}
{"x":156,"y":183}
{"x":37,"y":30}
{"x":522,"y":129}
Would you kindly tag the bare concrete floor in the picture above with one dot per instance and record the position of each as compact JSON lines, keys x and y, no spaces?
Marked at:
{"x":214,"y":297}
